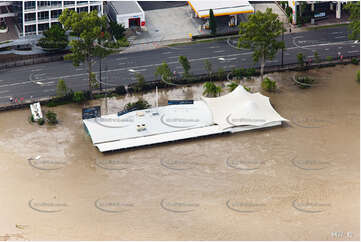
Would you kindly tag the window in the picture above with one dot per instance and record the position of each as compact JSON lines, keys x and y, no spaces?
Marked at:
{"x":69,"y":3}
{"x":55,"y":13}
{"x":43,"y":15}
{"x":43,"y":4}
{"x":83,"y":9}
{"x":30,"y":5}
{"x":43,"y":27}
{"x":30,"y":28}
{"x":30,"y":17}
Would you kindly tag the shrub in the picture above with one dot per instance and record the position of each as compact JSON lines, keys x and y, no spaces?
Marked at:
{"x":329,"y":58}
{"x":211,"y":89}
{"x":250,"y":72}
{"x":355,"y":61}
{"x":79,"y":97}
{"x":307,"y":81}
{"x":248,"y":89}
{"x":358,"y":76}
{"x":317,"y":57}
{"x":268,"y":85}
{"x":51,"y":117}
{"x":41,"y":121}
{"x":208,"y":67}
{"x":120,"y":90}
{"x":231,"y":86}
{"x":138,"y":105}
{"x":31,"y":118}
{"x":236,"y":72}
{"x":117,"y":30}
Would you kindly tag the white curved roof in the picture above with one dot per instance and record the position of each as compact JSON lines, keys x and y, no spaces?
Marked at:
{"x":220,"y":8}
{"x":242,"y":108}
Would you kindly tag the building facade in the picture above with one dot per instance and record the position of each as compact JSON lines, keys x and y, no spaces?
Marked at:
{"x":34,"y":17}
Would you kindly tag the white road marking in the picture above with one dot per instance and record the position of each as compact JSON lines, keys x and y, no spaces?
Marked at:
{"x":353,"y":51}
{"x":336,"y":33}
{"x":79,"y":69}
{"x":5,"y":97}
{"x":37,"y":70}
{"x":167,"y":53}
{"x":326,"y":49}
{"x":339,"y":37}
{"x":176,"y":62}
{"x":173,"y":57}
{"x":272,"y":61}
{"x":340,"y":47}
{"x":121,"y":58}
{"x":4,"y":91}
{"x":219,"y":51}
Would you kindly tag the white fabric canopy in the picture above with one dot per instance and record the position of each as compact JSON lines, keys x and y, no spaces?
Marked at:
{"x":240,"y":108}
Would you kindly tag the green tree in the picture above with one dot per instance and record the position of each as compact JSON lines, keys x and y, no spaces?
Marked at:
{"x":163,"y":70}
{"x":140,"y":82}
{"x":301,"y":59}
{"x":61,"y":88}
{"x":212,"y":22}
{"x":354,"y":8}
{"x":186,"y":65}
{"x":54,"y":38}
{"x":88,"y":29}
{"x":211,"y":89}
{"x":260,"y":34}
{"x":117,"y":30}
{"x":208,"y":67}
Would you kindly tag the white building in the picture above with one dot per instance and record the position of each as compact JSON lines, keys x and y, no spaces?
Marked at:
{"x":34,"y":17}
{"x":128,"y":13}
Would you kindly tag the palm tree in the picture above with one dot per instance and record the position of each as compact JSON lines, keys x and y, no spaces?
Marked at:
{"x":211,"y":90}
{"x":231,"y":86}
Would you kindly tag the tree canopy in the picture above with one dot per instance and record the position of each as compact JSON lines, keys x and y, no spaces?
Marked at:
{"x":260,"y":34}
{"x":354,"y":8}
{"x":89,"y":29}
{"x":54,"y":38}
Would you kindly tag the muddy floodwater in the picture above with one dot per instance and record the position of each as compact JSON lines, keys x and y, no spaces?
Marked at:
{"x":299,"y":181}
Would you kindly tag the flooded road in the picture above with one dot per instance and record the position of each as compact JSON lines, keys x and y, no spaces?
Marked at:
{"x":295,"y":182}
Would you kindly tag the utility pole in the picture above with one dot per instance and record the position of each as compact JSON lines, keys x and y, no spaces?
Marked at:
{"x":106,"y":92}
{"x":282,"y":47}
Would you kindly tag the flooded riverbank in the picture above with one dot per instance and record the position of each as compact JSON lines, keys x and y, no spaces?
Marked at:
{"x":295,"y":182}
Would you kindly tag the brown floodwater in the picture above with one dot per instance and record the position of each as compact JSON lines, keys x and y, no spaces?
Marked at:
{"x":300,"y":181}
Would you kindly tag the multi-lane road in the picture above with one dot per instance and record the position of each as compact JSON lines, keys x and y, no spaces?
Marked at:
{"x":119,"y":69}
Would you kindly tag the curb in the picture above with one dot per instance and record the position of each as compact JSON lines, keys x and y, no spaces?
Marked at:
{"x":269,"y":69}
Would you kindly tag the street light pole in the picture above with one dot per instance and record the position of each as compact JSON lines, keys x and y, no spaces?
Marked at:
{"x":282,"y":47}
{"x":100,"y":73}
